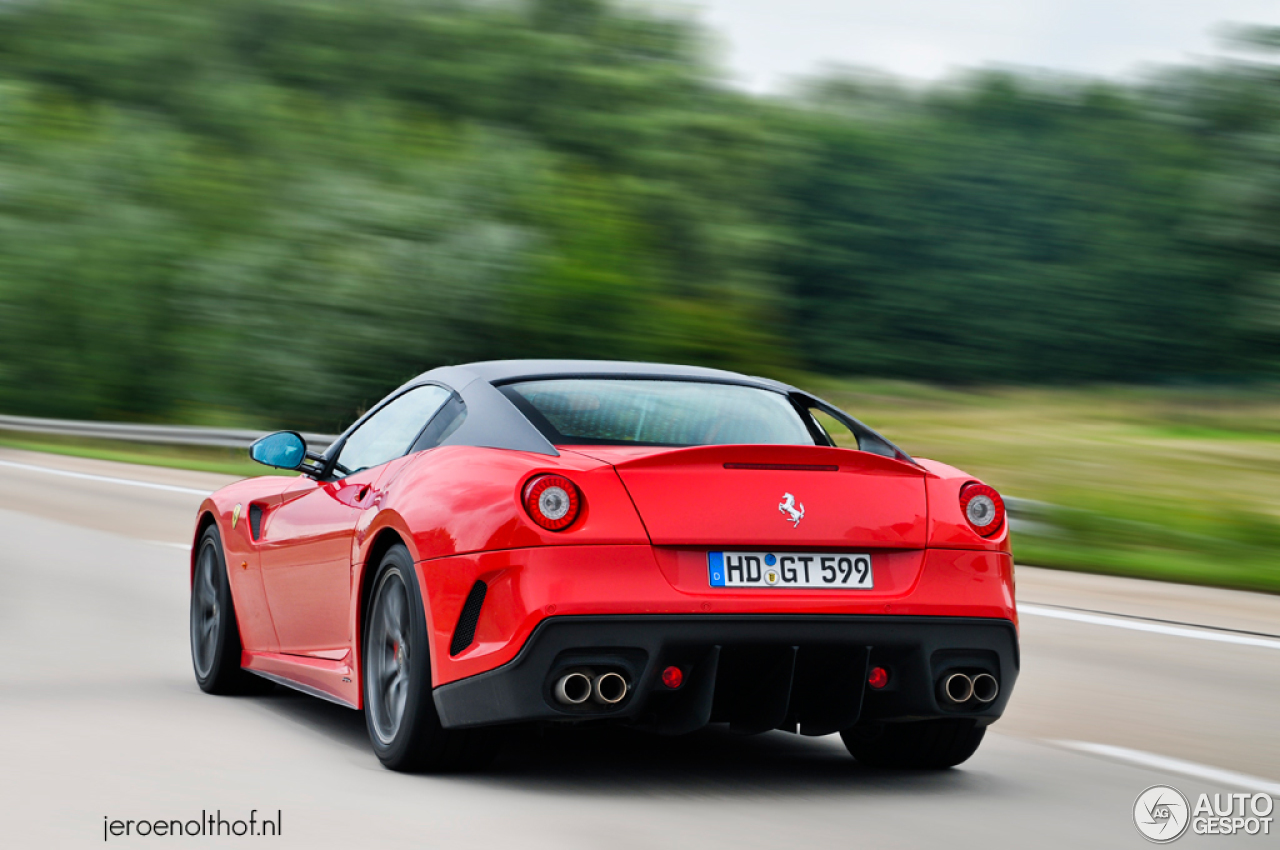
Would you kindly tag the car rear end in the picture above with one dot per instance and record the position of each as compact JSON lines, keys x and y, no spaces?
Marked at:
{"x":776,"y":586}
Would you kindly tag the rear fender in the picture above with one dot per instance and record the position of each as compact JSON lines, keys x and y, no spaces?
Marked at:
{"x":460,"y":499}
{"x":948,"y":529}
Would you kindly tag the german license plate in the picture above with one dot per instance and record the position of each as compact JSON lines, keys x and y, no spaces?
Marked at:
{"x":837,"y":571}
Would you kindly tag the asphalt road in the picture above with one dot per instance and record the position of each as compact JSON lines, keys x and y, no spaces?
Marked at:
{"x":1125,"y":684}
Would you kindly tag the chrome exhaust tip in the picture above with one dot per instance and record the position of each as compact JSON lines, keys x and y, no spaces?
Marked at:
{"x":610,"y":688}
{"x":573,"y":688}
{"x":985,"y":687}
{"x":957,"y":688}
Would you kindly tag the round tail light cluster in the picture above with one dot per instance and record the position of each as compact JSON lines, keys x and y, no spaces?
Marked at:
{"x":982,"y":507}
{"x":552,"y":501}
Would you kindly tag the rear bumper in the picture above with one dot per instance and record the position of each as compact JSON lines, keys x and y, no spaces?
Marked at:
{"x":804,"y":673}
{"x":528,"y":586}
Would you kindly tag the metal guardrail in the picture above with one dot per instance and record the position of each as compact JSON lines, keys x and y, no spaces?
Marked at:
{"x":1025,"y":507}
{"x":170,"y":435}
{"x":1029,"y":516}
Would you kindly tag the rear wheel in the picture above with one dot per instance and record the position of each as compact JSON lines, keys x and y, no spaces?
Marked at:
{"x":215,"y":637}
{"x":400,"y":713}
{"x":918,"y":745}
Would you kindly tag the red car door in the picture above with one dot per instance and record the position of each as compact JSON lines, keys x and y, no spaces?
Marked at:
{"x":307,"y":536}
{"x":306,"y":560}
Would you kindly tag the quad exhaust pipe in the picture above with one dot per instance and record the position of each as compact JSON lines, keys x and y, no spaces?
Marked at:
{"x":573,"y":688}
{"x":959,"y":688}
{"x":576,"y":687}
{"x":610,"y":688}
{"x":985,"y":688}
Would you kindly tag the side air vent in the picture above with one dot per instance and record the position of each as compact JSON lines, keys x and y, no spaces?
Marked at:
{"x":255,"y":521}
{"x":465,"y":633}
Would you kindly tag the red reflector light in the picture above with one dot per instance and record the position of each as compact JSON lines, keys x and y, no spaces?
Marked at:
{"x":878,"y":678}
{"x":552,"y":501}
{"x":982,"y":507}
{"x":673,"y":677}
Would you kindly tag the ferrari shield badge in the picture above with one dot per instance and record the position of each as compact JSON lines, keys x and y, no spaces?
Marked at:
{"x":794,"y":513}
{"x":235,"y":515}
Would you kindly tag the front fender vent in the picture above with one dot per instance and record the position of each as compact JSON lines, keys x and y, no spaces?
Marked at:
{"x":465,"y":633}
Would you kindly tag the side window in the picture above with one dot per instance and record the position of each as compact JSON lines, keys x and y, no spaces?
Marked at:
{"x":391,"y":431}
{"x":839,"y":433}
{"x":442,"y":426}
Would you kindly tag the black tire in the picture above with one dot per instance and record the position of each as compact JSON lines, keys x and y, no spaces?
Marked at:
{"x":399,"y":711}
{"x":916,"y":745}
{"x":215,"y":636}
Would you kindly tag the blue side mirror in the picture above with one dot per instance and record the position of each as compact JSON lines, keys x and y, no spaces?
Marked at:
{"x":283,"y":450}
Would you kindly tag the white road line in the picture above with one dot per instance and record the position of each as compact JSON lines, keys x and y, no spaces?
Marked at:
{"x":1155,"y":628}
{"x":128,"y":482}
{"x":1172,"y":765}
{"x":186,"y":547}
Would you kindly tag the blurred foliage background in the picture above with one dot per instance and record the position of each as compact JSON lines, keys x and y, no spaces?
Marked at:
{"x":268,"y":212}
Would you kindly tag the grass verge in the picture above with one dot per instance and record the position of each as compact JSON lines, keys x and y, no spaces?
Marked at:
{"x":1178,"y":484}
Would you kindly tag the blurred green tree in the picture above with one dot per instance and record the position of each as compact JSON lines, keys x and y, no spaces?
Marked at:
{"x":284,"y":205}
{"x":277,"y":209}
{"x":1004,"y":230}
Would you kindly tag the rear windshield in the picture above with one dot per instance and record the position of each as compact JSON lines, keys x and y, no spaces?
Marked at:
{"x":595,"y":411}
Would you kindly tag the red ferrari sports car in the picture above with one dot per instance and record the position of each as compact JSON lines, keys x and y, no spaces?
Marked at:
{"x":579,"y":541}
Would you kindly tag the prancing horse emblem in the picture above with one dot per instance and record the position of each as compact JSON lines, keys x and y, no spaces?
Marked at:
{"x":788,"y":507}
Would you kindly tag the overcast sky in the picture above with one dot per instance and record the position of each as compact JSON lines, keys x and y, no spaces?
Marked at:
{"x":764,"y":42}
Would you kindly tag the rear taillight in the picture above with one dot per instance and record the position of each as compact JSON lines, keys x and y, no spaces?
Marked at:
{"x":552,"y":501}
{"x":982,"y":507}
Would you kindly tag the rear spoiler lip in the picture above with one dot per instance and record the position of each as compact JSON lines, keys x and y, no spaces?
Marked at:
{"x":769,"y":457}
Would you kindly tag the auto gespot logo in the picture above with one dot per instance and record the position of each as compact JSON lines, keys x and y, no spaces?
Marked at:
{"x":1162,"y":814}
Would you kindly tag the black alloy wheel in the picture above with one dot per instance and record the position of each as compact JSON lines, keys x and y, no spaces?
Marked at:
{"x":400,"y":713}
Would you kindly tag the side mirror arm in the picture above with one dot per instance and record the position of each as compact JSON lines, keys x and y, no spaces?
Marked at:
{"x":313,"y":464}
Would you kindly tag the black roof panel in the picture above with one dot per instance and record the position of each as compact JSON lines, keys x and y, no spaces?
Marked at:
{"x":507,"y":371}
{"x":493,"y":421}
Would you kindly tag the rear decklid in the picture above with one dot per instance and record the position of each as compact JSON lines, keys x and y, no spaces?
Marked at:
{"x":772,"y":495}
